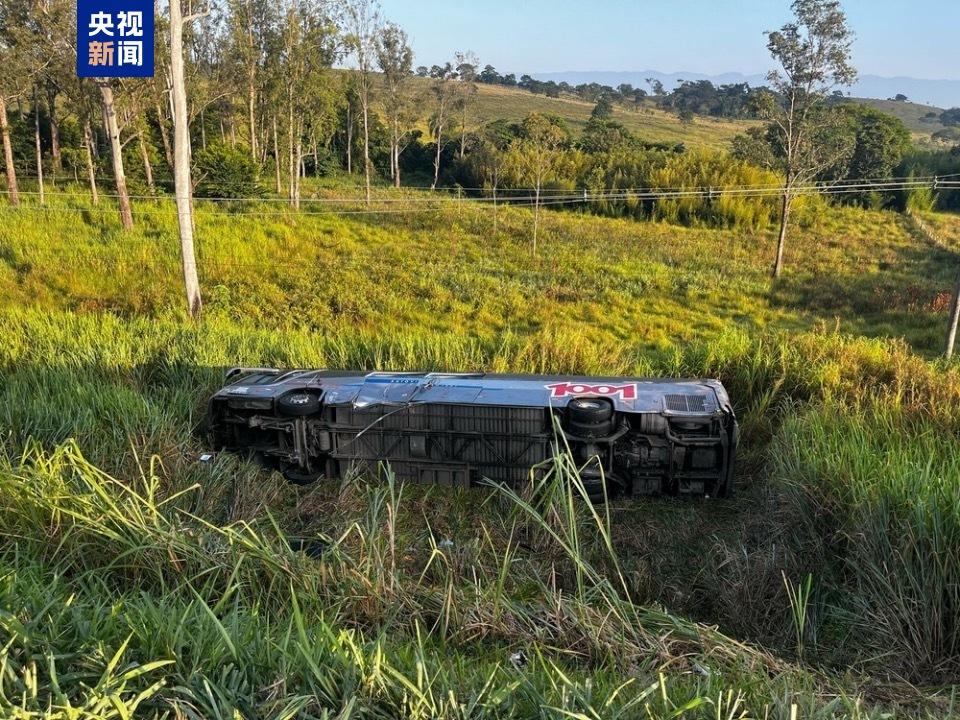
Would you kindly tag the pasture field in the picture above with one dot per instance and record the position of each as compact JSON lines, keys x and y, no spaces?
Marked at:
{"x":647,"y":122}
{"x":142,"y":581}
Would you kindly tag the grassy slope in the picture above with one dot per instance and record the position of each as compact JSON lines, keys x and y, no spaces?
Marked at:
{"x":93,"y":351}
{"x":645,"y":285}
{"x":650,"y":123}
{"x":494,"y":102}
{"x":911,"y":113}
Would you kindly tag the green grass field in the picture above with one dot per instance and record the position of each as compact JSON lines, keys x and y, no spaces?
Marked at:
{"x":136,"y":580}
{"x":649,"y":124}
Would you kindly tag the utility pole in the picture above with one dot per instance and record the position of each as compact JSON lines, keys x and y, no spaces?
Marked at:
{"x":181,"y":159}
{"x":954,"y":321}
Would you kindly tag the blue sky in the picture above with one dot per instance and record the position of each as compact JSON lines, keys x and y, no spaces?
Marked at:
{"x":917,"y":38}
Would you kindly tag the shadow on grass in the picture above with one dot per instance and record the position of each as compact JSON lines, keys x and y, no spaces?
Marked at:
{"x":906,"y":296}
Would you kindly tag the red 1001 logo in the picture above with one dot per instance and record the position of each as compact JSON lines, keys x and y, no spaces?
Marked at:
{"x":565,"y":389}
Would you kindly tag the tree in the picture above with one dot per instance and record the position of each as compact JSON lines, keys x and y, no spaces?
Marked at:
{"x":950,"y":118}
{"x":486,"y":162}
{"x":251,"y":28}
{"x":489,"y":75}
{"x":444,"y":93}
{"x":879,"y":143}
{"x":954,"y":321}
{"x":363,"y":22}
{"x":533,"y":158}
{"x":183,"y":187}
{"x":307,"y":50}
{"x":814,"y":56}
{"x":395,"y":59}
{"x":656,"y":86}
{"x":603,"y":109}
{"x":111,"y":125}
{"x":21,"y":62}
{"x":466,"y":67}
{"x":601,"y":136}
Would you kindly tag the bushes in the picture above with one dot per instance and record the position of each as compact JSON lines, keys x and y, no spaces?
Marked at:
{"x":223,"y":171}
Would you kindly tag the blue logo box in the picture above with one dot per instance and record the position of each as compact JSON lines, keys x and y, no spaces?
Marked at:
{"x":115,"y":38}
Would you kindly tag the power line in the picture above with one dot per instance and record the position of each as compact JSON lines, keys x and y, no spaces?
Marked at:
{"x":865,"y":184}
{"x":435,"y":204}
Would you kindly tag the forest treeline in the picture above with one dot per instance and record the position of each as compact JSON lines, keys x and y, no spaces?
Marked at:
{"x":278,"y":91}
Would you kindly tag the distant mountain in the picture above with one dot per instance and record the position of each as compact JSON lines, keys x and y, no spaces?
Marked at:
{"x":938,"y":93}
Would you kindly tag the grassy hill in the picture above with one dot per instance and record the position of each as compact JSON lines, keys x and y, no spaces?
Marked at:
{"x":494,"y":102}
{"x":135,"y":576}
{"x":912,"y":114}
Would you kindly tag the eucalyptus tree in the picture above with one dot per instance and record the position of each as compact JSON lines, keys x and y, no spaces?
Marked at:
{"x":532,"y":159}
{"x":363,"y":27}
{"x":395,"y":59}
{"x":22,"y":62}
{"x":183,"y":187}
{"x":251,"y":30}
{"x":308,"y":46}
{"x":813,"y":52}
{"x":445,"y":96}
{"x":466,"y":67}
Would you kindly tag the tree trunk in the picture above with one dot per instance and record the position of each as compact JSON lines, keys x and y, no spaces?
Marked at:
{"x":536,"y":217}
{"x":436,"y":160}
{"x":396,"y":164}
{"x":292,"y":169}
{"x":366,"y":149}
{"x":349,"y":140}
{"x":12,"y":190}
{"x":181,"y":162}
{"x":494,"y":209}
{"x":165,"y":136}
{"x":116,"y":152}
{"x":36,"y":140}
{"x":298,"y":162}
{"x":782,"y":236}
{"x":954,"y":320}
{"x":252,"y":112}
{"x":55,"y":153}
{"x":145,"y":156}
{"x":91,"y":174}
{"x":203,"y":131}
{"x":276,"y":155}
{"x":393,"y":166}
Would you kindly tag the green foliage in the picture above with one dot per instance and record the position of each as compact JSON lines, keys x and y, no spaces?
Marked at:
{"x":224,"y":171}
{"x":603,"y":109}
{"x":921,"y":200}
{"x":880,"y":142}
{"x":951,"y":117}
{"x":847,"y":468}
{"x":885,"y":485}
{"x":933,"y":162}
{"x":601,"y":136}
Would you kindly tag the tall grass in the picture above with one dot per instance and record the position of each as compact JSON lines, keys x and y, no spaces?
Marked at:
{"x":847,"y":471}
{"x":884,"y":491}
{"x":118,"y":598}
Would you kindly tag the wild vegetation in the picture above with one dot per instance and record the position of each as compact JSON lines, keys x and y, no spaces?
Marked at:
{"x":134,"y":572}
{"x":138,"y":578}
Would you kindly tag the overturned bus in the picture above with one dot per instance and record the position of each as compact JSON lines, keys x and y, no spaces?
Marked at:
{"x":630,"y":436}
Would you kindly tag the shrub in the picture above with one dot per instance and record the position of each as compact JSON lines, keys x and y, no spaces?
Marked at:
{"x":223,"y":171}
